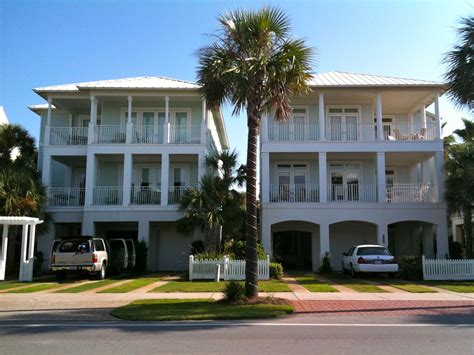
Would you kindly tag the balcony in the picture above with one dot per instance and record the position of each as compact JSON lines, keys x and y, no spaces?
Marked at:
{"x":176,"y":193}
{"x":350,"y":132}
{"x":409,"y":132}
{"x":145,"y":195}
{"x":352,"y":193}
{"x":108,"y":195}
{"x":410,"y":193}
{"x":151,"y":134}
{"x":294,"y":193}
{"x":66,"y":196}
{"x":68,"y":136}
{"x":110,"y":134}
{"x":189,"y":134}
{"x":294,"y":132}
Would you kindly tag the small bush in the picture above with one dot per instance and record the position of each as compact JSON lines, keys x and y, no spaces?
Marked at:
{"x":197,"y":247}
{"x":141,"y":264}
{"x":213,"y":255}
{"x":411,"y":268}
{"x":276,"y":271}
{"x":236,"y":250}
{"x":326,"y":264}
{"x":234,"y":290}
{"x":455,"y":250}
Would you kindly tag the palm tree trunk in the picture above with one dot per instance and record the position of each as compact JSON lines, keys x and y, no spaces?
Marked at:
{"x":251,"y":267}
{"x":467,"y":216}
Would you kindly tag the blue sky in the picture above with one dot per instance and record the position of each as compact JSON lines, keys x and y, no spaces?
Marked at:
{"x":55,"y":42}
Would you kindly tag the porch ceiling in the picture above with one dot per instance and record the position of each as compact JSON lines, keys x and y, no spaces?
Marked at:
{"x":350,"y":156}
{"x":409,"y":158}
{"x":72,"y":161}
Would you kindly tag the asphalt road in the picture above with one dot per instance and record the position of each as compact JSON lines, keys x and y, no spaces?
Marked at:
{"x":301,"y":334}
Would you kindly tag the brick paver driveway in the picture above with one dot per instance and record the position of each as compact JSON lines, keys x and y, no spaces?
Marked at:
{"x":385,"y":308}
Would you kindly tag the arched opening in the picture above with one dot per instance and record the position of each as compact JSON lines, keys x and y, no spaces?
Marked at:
{"x":344,"y":235}
{"x":295,"y":244}
{"x":412,"y":238}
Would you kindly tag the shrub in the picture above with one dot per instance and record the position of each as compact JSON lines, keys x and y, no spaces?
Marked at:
{"x":411,"y":267}
{"x":234,"y":290}
{"x":276,"y":271}
{"x":141,"y":264}
{"x":326,"y":264}
{"x":197,"y":247}
{"x":235,"y":249}
{"x":38,"y":263}
{"x":212,"y":255}
{"x":455,"y":250}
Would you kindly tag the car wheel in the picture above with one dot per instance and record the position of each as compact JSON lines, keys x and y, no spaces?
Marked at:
{"x":101,"y":273}
{"x":61,"y":276}
{"x":353,"y":272}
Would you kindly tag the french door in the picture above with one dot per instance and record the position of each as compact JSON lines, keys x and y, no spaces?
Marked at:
{"x":345,"y":185}
{"x":181,"y":126}
{"x":292,"y":186}
{"x":343,"y":124}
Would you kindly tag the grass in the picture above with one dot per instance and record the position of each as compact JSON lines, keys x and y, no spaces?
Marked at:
{"x":313,"y":285}
{"x":354,"y":284}
{"x":5,"y":285}
{"x":454,"y":286}
{"x":36,"y":288}
{"x":88,"y":286}
{"x":197,"y":309}
{"x":132,"y":285}
{"x":212,"y":286}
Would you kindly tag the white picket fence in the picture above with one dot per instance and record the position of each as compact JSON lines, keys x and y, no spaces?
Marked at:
{"x":225,"y":269}
{"x":448,"y":269}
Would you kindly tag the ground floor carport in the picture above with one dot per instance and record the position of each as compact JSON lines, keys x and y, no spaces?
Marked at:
{"x":309,"y":234}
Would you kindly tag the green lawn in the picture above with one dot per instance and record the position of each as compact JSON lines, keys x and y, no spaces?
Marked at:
{"x":353,"y":283}
{"x":410,"y":287}
{"x":36,"y":287}
{"x":196,"y":309}
{"x":455,"y":286}
{"x":313,"y":285}
{"x":132,"y":285}
{"x":5,"y":285}
{"x":212,"y":286}
{"x":88,"y":286}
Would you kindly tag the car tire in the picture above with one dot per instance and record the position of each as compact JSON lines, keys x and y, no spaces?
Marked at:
{"x":101,"y":273}
{"x":61,"y":276}
{"x":353,"y":272}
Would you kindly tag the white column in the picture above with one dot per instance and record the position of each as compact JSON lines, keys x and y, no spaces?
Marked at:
{"x":442,"y":246}
{"x":201,"y":165}
{"x":144,"y":231}
{"x":437,"y":118}
{"x":323,"y":182}
{"x":127,"y":178}
{"x":323,"y":240}
{"x":423,"y":115}
{"x":24,"y":251}
{"x":3,"y":255}
{"x":427,"y":235}
{"x":90,"y":179}
{"x":266,"y":235}
{"x":129,"y":125}
{"x":381,"y":190}
{"x":265,"y":178}
{"x":166,"y":130}
{"x":264,"y":127}
{"x":322,"y":120}
{"x":379,"y":117}
{"x":439,"y":175}
{"x":47,"y":129}
{"x":165,"y":171}
{"x":88,"y":227}
{"x":204,"y":123}
{"x":46,"y":170}
{"x":382,"y":234}
{"x":93,"y":121}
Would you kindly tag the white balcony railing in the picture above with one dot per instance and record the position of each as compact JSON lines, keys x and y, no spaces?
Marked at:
{"x":352,"y":193}
{"x":292,"y":131}
{"x":152,"y":134}
{"x":410,"y":193}
{"x":350,"y":132}
{"x":188,"y":134}
{"x":409,"y":132}
{"x":176,"y":193}
{"x":108,"y":195}
{"x":145,"y":195}
{"x":294,"y":193}
{"x":68,"y":136}
{"x":110,"y":134}
{"x":66,"y":196}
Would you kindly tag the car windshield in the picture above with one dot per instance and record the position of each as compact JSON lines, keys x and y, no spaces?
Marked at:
{"x":74,"y":246}
{"x":372,"y":251}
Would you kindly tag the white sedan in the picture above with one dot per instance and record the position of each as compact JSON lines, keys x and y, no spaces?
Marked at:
{"x":369,"y":259}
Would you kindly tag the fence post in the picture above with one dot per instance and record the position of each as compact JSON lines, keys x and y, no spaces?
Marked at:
{"x":218,"y":272}
{"x":267,"y":268}
{"x":423,"y":266}
{"x":191,"y":262}
{"x":226,"y":260}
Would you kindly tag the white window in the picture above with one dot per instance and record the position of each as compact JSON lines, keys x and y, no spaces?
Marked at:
{"x":387,"y":128}
{"x":292,"y":182}
{"x":345,"y":182}
{"x":342,"y":124}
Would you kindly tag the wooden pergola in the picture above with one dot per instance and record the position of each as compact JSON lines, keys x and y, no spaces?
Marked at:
{"x":27,"y":245}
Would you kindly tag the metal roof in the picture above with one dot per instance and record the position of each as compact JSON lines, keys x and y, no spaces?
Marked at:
{"x":140,"y":82}
{"x":343,"y":79}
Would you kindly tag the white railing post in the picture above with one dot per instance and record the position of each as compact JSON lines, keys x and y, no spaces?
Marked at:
{"x":3,"y":256}
{"x":166,"y":128}
{"x":322,"y":120}
{"x":191,"y":265}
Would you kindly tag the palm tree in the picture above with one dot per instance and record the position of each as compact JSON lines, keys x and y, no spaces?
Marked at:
{"x":215,"y":203}
{"x":254,"y":65}
{"x":460,"y":63}
{"x":17,"y":147}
